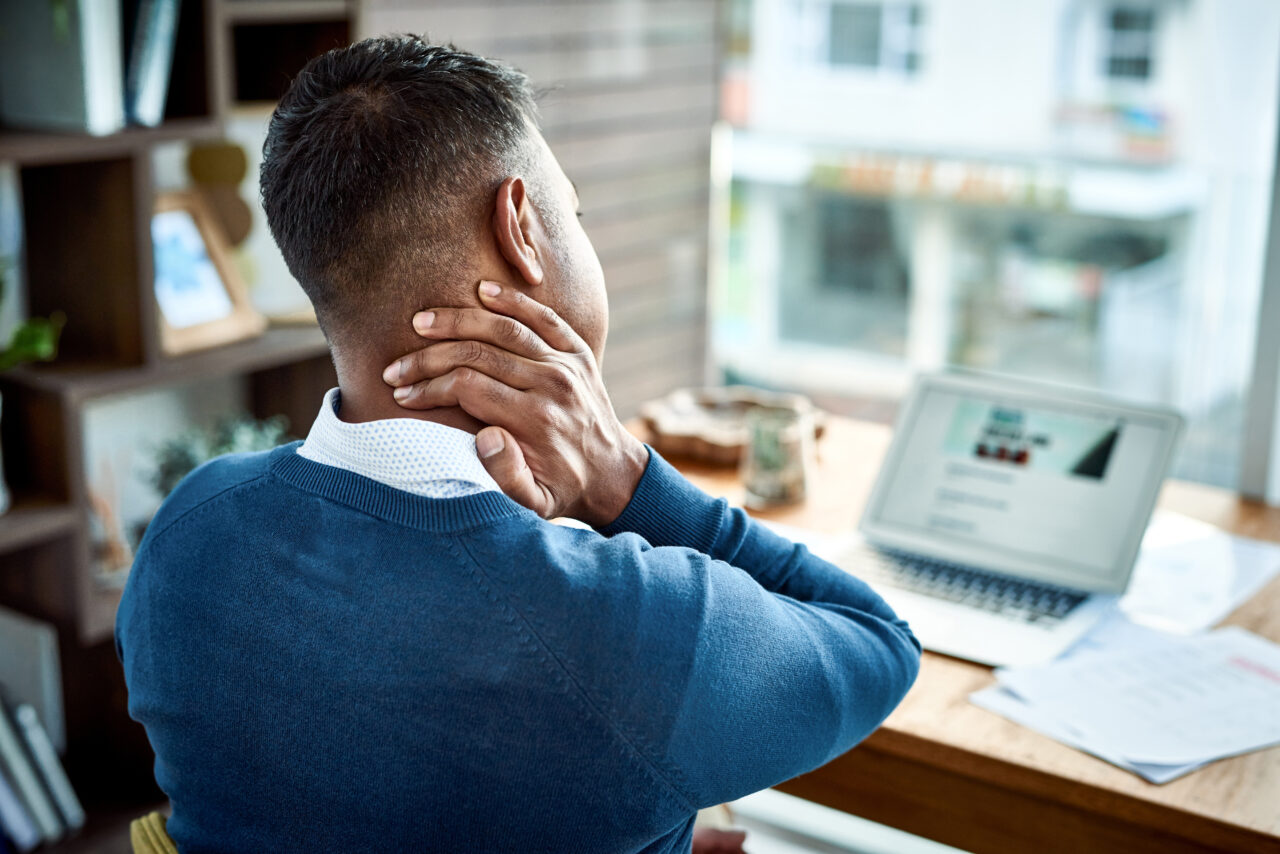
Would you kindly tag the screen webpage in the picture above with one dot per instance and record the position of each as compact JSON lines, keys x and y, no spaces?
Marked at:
{"x":1050,"y":485}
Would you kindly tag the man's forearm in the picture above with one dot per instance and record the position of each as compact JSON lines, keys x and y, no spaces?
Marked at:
{"x":668,"y":510}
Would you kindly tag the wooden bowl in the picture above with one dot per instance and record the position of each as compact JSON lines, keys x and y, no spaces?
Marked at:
{"x":709,"y":424}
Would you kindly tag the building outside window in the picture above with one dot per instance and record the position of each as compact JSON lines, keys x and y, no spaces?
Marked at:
{"x":1016,"y":205}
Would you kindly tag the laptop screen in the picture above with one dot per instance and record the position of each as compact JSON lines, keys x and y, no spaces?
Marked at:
{"x":1032,"y":484}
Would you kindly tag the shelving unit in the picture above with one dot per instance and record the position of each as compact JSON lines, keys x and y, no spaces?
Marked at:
{"x":78,"y":382}
{"x":87,"y":204}
{"x":29,"y":523}
{"x":33,"y":148}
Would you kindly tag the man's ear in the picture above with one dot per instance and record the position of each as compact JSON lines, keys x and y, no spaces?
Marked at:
{"x":518,"y":230}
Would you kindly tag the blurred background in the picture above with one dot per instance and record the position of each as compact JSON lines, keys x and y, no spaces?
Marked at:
{"x":819,"y":196}
{"x":1070,"y":190}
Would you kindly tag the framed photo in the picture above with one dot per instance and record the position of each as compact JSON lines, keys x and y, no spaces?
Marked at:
{"x":202,"y":300}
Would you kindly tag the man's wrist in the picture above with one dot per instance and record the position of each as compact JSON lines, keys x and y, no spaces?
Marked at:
{"x":612,"y":496}
{"x":667,"y":510}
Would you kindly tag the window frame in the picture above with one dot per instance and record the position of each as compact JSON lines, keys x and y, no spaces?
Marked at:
{"x":1260,"y":446}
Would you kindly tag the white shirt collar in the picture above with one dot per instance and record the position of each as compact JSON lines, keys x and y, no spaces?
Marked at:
{"x":416,"y":456}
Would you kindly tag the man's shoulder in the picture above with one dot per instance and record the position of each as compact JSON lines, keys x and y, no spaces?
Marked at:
{"x":213,"y":479}
{"x":578,"y":565}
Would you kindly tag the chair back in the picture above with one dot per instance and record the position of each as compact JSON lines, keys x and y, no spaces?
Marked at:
{"x":148,"y":836}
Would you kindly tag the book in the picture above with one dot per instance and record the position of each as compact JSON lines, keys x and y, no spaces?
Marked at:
{"x":12,"y":293}
{"x":15,"y":822}
{"x":26,"y":781}
{"x":42,"y":754}
{"x":61,"y":66}
{"x":30,"y":671}
{"x":150,"y":61}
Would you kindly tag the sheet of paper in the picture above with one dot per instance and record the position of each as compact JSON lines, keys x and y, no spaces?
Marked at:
{"x":1168,"y":528}
{"x":1190,"y":575}
{"x":1191,"y":700}
{"x":1116,"y":633}
{"x":1008,"y":705}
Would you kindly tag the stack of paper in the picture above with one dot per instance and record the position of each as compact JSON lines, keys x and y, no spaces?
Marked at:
{"x":1155,"y":704}
{"x":1190,"y":574}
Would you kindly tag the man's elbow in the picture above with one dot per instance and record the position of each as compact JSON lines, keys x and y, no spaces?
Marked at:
{"x":870,"y":697}
{"x":905,"y":629}
{"x":899,"y":669}
{"x":906,"y":653}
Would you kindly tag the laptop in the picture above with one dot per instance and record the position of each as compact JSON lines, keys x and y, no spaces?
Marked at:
{"x":1007,"y":516}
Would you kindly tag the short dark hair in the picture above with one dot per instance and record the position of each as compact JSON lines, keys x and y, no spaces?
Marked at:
{"x":377,"y":158}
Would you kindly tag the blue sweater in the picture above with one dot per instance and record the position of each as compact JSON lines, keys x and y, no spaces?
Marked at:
{"x":324,"y":663}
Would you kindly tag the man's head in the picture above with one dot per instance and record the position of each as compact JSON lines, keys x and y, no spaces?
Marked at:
{"x":396,"y":174}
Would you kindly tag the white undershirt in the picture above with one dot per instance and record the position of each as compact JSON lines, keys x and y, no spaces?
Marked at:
{"x":416,"y":456}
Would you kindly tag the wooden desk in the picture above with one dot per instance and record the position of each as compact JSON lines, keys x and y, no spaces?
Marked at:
{"x":942,"y":768}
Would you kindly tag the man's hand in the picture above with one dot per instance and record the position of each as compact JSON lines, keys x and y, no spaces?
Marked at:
{"x":710,"y":840}
{"x":555,"y":444}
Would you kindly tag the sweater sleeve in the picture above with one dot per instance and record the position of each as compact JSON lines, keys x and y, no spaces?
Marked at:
{"x":771,"y":660}
{"x":668,"y":510}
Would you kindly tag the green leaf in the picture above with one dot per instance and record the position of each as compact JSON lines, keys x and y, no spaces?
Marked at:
{"x":179,"y":455}
{"x":61,"y":20}
{"x":36,"y":340}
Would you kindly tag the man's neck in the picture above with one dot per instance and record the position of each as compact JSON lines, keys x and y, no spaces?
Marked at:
{"x":363,"y":401}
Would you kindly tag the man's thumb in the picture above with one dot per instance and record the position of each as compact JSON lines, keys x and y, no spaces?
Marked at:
{"x":502,"y":457}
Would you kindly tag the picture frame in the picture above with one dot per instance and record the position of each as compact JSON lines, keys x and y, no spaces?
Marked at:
{"x":201,"y":299}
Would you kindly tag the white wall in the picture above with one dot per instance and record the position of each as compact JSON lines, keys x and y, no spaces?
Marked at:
{"x":987,"y":83}
{"x":995,"y":71}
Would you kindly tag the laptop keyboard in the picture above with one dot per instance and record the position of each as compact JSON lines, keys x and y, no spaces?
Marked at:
{"x":1027,"y":601}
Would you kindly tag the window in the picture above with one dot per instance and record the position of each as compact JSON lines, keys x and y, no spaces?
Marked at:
{"x":847,"y":277}
{"x":1130,"y":41}
{"x":855,"y":34}
{"x":872,"y":36}
{"x":1047,"y":224}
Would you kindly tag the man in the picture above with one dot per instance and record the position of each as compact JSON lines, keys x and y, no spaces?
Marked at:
{"x":360,"y":642}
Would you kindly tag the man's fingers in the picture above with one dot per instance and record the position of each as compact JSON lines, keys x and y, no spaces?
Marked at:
{"x":503,"y":458}
{"x":708,"y":840}
{"x":442,"y":357}
{"x":509,"y":321}
{"x":479,"y":324}
{"x":533,"y":314}
{"x":480,"y":396}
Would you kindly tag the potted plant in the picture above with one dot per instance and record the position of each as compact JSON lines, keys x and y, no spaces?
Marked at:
{"x":35,"y":340}
{"x":114,"y":538}
{"x":179,"y":456}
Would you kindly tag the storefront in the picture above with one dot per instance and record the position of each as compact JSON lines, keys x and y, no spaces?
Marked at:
{"x":851,"y":270}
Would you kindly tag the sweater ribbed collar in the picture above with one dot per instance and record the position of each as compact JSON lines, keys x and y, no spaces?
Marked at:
{"x":438,"y":515}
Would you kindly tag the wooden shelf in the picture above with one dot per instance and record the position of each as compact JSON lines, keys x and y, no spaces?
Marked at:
{"x":86,"y":207}
{"x":31,"y":522}
{"x":38,"y":147}
{"x":276,"y":347}
{"x":284,"y":11}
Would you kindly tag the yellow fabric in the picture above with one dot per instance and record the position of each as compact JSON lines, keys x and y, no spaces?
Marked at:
{"x":148,"y":836}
